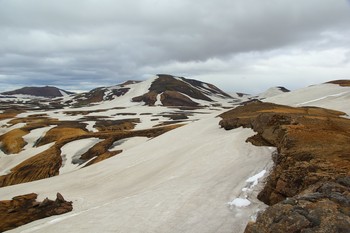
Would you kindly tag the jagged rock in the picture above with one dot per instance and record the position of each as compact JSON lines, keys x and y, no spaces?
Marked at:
{"x":313,"y":147}
{"x":323,"y":208}
{"x":25,"y":209}
{"x":59,"y":198}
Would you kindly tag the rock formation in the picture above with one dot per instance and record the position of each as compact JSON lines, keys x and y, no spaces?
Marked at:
{"x":25,"y":209}
{"x":312,"y":167}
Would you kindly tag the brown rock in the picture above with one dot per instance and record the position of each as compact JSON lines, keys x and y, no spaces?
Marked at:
{"x":173,"y":98}
{"x":59,"y":198}
{"x":313,"y":147}
{"x":323,"y":208}
{"x":24,"y":209}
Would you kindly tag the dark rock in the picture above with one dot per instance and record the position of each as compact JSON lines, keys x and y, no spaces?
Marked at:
{"x":59,"y":198}
{"x":311,"y":211}
{"x":25,"y":209}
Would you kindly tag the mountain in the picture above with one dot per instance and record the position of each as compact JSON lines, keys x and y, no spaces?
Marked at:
{"x":135,"y":158}
{"x":168,"y":90}
{"x":162,"y":90}
{"x":47,"y":91}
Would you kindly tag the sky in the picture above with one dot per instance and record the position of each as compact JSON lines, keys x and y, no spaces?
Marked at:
{"x":237,"y":45}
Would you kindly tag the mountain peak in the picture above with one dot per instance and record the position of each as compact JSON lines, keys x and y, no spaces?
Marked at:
{"x":174,"y":91}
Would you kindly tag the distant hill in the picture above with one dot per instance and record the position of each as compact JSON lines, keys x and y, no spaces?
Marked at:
{"x":47,"y":91}
{"x":273,"y":91}
{"x":163,"y":89}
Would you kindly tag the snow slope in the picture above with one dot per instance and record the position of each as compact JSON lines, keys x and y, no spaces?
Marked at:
{"x":273,"y":91}
{"x":180,"y":181}
{"x":330,"y":96}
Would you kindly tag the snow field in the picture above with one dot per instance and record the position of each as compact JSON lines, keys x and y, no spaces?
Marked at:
{"x":172,"y":183}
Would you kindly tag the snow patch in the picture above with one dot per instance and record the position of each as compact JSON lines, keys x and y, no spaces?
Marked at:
{"x":35,"y":135}
{"x":322,"y":98}
{"x":240,"y":202}
{"x":63,"y":93}
{"x":90,"y":126}
{"x":255,"y":179}
{"x":158,"y":102}
{"x":73,"y":150}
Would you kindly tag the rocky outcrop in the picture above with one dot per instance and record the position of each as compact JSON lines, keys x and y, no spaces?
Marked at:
{"x":148,"y":98}
{"x":25,"y":209}
{"x":100,"y":94}
{"x":173,"y":98}
{"x":322,"y":208}
{"x":343,"y":83}
{"x":313,"y":147}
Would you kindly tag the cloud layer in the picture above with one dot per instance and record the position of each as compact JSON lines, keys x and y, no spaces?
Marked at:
{"x":241,"y":45}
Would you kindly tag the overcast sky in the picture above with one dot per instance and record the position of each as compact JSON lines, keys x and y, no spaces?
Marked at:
{"x":238,"y":45}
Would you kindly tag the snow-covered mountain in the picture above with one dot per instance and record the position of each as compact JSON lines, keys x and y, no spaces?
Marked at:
{"x":161,"y":90}
{"x":273,"y":91}
{"x":143,"y":156}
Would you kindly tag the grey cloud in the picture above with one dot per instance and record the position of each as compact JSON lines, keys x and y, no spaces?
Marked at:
{"x":105,"y":41}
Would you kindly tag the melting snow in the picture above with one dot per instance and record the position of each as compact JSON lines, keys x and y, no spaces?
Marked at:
{"x":90,"y":126}
{"x":35,"y":135}
{"x":158,"y":102}
{"x":240,"y":202}
{"x":255,"y":179}
{"x":73,"y":150}
{"x":246,"y":191}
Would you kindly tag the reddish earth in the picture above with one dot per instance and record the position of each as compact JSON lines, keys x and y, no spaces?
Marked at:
{"x":312,"y":164}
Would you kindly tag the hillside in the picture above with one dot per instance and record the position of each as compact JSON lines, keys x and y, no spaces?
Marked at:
{"x":151,"y":157}
{"x":161,"y":90}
